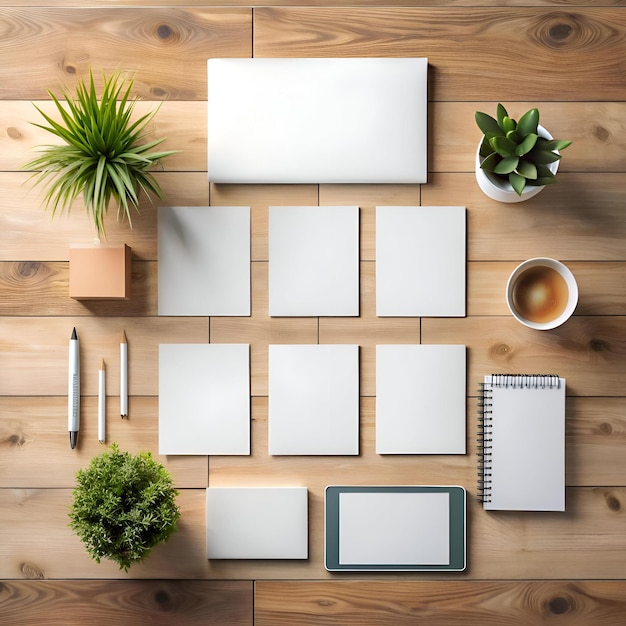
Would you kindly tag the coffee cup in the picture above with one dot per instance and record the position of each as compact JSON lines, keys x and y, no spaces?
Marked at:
{"x":542,"y":293}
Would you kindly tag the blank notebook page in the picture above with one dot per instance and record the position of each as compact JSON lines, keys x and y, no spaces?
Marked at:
{"x":528,"y":448}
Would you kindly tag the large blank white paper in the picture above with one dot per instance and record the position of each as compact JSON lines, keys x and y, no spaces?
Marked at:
{"x":313,"y":399}
{"x":204,"y":398}
{"x":257,"y":523}
{"x":420,"y":399}
{"x":204,"y":260}
{"x":420,"y":261}
{"x":398,"y":528}
{"x":354,"y":120}
{"x":314,"y":261}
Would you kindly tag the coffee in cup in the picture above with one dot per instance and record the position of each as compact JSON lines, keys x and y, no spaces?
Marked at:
{"x":542,"y":293}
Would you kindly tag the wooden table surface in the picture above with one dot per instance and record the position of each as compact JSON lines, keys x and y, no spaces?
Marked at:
{"x":566,"y":57}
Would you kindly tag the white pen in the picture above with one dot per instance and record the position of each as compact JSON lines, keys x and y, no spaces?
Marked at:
{"x":124,"y":376}
{"x":73,"y":390}
{"x":102,"y":403}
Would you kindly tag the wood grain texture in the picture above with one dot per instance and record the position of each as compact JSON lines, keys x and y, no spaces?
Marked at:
{"x":33,"y":432}
{"x":182,"y":124}
{"x":581,"y":218}
{"x":320,"y":3}
{"x":584,"y":542}
{"x":175,"y":44}
{"x":28,"y":232}
{"x":35,"y":351}
{"x":143,"y":603}
{"x":439,"y":603}
{"x":470,"y":52}
{"x":588,"y":351}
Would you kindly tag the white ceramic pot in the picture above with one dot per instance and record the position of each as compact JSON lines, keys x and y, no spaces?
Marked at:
{"x":501,"y":190}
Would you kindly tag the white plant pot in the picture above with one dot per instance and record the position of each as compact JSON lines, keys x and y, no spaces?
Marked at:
{"x":501,"y":190}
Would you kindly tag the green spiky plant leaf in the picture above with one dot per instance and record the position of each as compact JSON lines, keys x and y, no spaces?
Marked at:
{"x":514,"y":152}
{"x":104,"y":156}
{"x":123,"y":506}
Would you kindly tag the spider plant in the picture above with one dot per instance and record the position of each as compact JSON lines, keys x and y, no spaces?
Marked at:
{"x":515,"y":151}
{"x":103,"y":155}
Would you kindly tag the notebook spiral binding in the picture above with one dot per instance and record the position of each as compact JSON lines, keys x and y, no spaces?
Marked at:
{"x":533,"y":381}
{"x":485,"y":419}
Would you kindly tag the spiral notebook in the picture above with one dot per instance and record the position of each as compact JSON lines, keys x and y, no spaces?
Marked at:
{"x":522,"y":442}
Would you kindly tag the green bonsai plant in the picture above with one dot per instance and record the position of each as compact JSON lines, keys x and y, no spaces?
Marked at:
{"x":103,"y":155}
{"x":123,"y":506}
{"x":515,"y":151}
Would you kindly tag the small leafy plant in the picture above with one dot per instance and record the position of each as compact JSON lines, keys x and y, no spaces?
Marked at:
{"x":514,"y":151}
{"x":123,"y":506}
{"x":103,"y":156}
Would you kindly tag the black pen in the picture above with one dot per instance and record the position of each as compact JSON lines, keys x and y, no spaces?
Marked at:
{"x":73,"y":390}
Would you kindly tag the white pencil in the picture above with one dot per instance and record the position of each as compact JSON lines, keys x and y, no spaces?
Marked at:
{"x":124,"y":376}
{"x":102,"y":403}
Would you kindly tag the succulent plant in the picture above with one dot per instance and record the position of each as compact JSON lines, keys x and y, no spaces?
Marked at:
{"x":515,"y":152}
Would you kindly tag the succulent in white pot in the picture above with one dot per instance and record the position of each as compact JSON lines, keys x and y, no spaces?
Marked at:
{"x":515,"y":160}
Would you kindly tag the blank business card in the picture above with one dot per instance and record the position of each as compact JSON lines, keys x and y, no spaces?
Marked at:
{"x":420,"y":399}
{"x":314,"y":261}
{"x":313,"y":399}
{"x":420,"y":261}
{"x":204,"y":399}
{"x":257,"y":523}
{"x":204,"y":261}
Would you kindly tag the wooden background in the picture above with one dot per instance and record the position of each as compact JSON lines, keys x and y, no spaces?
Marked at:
{"x":565,"y":56}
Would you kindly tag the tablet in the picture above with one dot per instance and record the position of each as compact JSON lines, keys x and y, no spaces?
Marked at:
{"x":399,"y":528}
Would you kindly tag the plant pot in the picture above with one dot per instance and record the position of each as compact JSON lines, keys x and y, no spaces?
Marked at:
{"x":100,"y":272}
{"x":500,"y":189}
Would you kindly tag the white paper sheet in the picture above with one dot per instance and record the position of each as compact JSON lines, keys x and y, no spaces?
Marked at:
{"x":314,"y":261}
{"x":313,"y":399}
{"x":204,"y":399}
{"x":420,"y":399}
{"x":420,"y":261}
{"x":204,"y":261}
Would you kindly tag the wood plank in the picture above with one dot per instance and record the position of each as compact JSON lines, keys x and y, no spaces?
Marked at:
{"x":176,"y":43}
{"x":322,"y":3}
{"x":599,"y":287}
{"x":491,"y":40}
{"x":597,"y":130}
{"x":439,"y":603}
{"x":27,"y":232}
{"x":33,"y":432}
{"x":38,"y":288}
{"x":145,"y":603}
{"x":58,"y":553}
{"x":585,"y":542}
{"x":595,"y":431}
{"x":35,"y":352}
{"x":183,"y":124}
{"x":581,"y":218}
{"x":588,"y":351}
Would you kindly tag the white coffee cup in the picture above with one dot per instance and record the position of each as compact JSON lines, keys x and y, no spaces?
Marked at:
{"x":541,"y":293}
